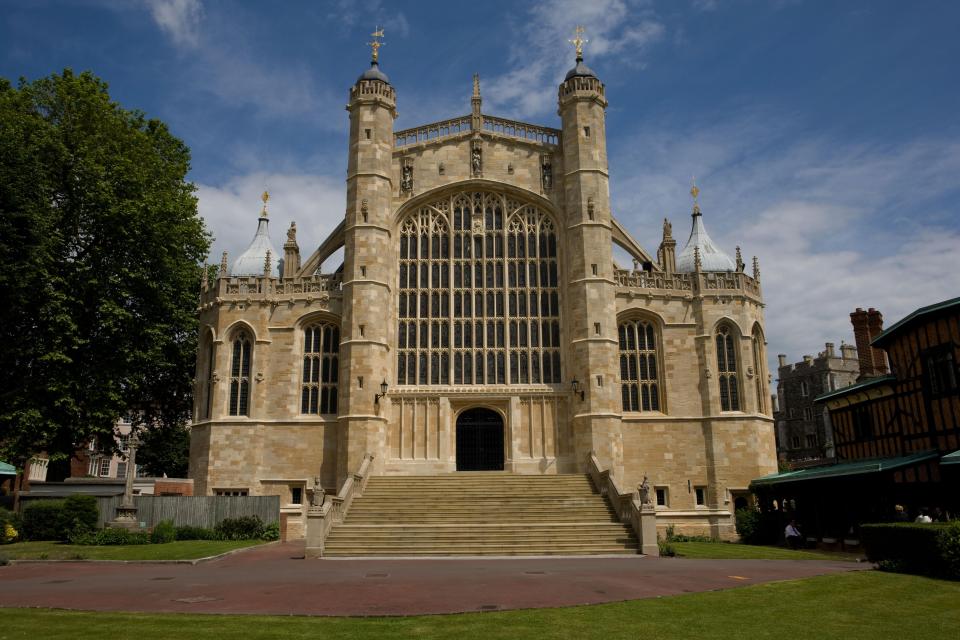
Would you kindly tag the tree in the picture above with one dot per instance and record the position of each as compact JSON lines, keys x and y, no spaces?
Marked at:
{"x":165,"y":450}
{"x":100,"y":250}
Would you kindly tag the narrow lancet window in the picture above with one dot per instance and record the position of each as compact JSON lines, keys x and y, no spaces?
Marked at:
{"x":240,"y":375}
{"x":321,"y":365}
{"x":727,"y":370}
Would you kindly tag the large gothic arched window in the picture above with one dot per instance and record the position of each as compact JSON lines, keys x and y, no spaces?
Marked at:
{"x":759,"y":369}
{"x":639,"y":386}
{"x":478,"y":301}
{"x":727,"y":370}
{"x":321,"y":364}
{"x":240,"y":376}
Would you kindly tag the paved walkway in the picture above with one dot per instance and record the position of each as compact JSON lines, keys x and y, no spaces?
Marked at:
{"x":274,"y":580}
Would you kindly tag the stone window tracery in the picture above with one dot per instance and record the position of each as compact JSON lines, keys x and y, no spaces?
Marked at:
{"x":240,"y":375}
{"x":759,"y":369}
{"x":478,"y":293}
{"x":321,"y":367}
{"x":208,"y":355}
{"x":727,"y":370}
{"x":639,"y":378}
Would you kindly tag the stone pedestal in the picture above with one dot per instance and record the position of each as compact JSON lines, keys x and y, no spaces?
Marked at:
{"x":648,"y":531}
{"x":126,"y":515}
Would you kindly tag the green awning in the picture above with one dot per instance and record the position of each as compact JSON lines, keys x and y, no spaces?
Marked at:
{"x":7,"y":469}
{"x":951,"y":458}
{"x":853,"y":468}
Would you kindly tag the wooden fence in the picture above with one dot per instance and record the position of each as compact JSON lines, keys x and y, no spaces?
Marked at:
{"x":194,"y":511}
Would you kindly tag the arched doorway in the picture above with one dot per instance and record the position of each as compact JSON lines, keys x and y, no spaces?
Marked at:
{"x":479,"y":440}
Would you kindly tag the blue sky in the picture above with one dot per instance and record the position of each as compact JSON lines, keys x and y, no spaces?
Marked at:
{"x":824,"y":135}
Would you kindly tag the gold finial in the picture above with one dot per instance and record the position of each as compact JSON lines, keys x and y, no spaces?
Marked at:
{"x":264,"y":197}
{"x":578,"y":41}
{"x":695,"y":191}
{"x":376,"y":44}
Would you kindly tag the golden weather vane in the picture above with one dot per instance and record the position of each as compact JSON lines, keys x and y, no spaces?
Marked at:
{"x":578,"y":40}
{"x":264,"y":197}
{"x":376,"y":44}
{"x":695,"y":191}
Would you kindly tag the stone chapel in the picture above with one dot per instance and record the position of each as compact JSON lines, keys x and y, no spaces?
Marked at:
{"x":479,"y":323}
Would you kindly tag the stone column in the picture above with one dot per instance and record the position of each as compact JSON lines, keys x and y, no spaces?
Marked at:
{"x":126,"y":517}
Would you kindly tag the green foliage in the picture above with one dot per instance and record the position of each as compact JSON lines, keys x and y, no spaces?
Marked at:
{"x":673,"y":536}
{"x":754,"y":527}
{"x":114,"y":536}
{"x":949,"y":543}
{"x":100,"y":252}
{"x":78,"y":515}
{"x":242,"y":528}
{"x":907,"y":547}
{"x":667,"y":549}
{"x":271,"y":531}
{"x":195,"y":533}
{"x":41,"y":520}
{"x":165,"y":449}
{"x":9,"y":526}
{"x":163,"y":532}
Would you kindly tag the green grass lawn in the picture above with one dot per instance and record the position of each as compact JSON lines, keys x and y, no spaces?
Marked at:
{"x":728,"y":550}
{"x":862,"y":604}
{"x":180,"y":550}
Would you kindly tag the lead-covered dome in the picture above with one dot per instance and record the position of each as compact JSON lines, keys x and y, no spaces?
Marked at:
{"x":712,"y":258}
{"x":253,"y":261}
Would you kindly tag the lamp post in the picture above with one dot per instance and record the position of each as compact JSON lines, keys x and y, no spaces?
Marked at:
{"x":577,"y":389}
{"x":126,"y":517}
{"x":382,"y":394}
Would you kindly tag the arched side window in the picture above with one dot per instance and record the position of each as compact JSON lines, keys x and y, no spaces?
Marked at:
{"x":321,"y":366}
{"x":240,"y":375}
{"x":206,"y":405}
{"x":727,"y":370}
{"x":478,"y":293}
{"x":759,"y":370}
{"x":639,"y":378}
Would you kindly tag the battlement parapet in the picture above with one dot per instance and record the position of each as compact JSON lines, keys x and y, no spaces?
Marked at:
{"x":270,"y":288}
{"x":639,"y":281}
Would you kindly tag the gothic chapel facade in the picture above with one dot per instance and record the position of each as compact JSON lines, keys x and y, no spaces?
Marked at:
{"x":479,"y":322}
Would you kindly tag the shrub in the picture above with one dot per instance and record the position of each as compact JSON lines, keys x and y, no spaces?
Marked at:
{"x":41,"y":520}
{"x":908,"y":547}
{"x":271,"y":531}
{"x":9,"y":526}
{"x":194,"y":533}
{"x":949,"y":542}
{"x":754,"y":527}
{"x":242,"y":528}
{"x":163,"y":532}
{"x":116,"y":536}
{"x":666,"y":548}
{"x":78,"y":515}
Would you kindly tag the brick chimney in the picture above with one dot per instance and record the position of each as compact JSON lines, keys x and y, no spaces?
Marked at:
{"x":867,"y":325}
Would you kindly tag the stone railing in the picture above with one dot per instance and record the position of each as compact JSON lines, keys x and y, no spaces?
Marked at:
{"x":523,"y":130}
{"x":269,"y":287}
{"x":707,"y":281}
{"x":431,"y":132}
{"x":641,"y":518}
{"x":320,"y":520}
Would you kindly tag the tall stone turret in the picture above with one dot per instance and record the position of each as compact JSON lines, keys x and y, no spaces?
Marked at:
{"x":367,"y":281}
{"x":590,"y":291}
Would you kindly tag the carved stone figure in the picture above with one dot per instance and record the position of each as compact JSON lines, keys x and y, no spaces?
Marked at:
{"x":292,"y":232}
{"x":547,"y":176}
{"x":667,"y":229}
{"x":316,"y":500}
{"x":644,"y":490}
{"x":590,"y":208}
{"x":406,"y":181}
{"x":477,"y":161}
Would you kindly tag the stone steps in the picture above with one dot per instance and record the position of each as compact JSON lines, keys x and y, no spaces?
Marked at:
{"x":480,"y":514}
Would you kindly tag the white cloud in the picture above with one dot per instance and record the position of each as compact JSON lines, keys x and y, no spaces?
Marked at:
{"x":613,"y":27}
{"x":179,"y":19}
{"x":315,"y":203}
{"x":835,"y":225}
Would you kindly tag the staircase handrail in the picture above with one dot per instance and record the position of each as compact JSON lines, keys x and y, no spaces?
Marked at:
{"x":320,"y":520}
{"x":627,"y":505}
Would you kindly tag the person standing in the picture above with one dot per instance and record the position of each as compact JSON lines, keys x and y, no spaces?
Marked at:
{"x":792,"y":534}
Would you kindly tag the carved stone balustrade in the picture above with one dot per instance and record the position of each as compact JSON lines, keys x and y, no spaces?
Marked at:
{"x":431,"y":132}
{"x":522,"y":130}
{"x":638,"y":282}
{"x":271,"y":289}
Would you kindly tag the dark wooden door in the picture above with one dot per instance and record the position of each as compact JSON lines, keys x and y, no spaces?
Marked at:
{"x":479,"y":441}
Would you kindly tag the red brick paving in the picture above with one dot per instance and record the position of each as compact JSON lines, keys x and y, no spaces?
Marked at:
{"x":274,"y":580}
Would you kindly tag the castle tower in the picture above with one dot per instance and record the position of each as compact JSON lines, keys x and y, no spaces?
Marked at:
{"x":590,"y":292}
{"x":367,"y":280}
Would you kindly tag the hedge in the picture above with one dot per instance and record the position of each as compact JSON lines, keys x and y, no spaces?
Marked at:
{"x":927,"y":549}
{"x":41,"y":520}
